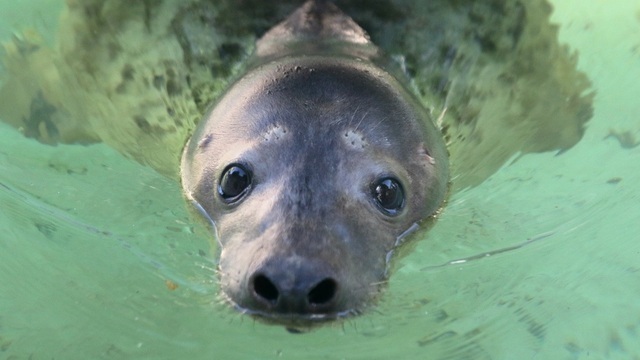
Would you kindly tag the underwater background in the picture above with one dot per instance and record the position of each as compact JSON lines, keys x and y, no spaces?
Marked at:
{"x":99,"y":257}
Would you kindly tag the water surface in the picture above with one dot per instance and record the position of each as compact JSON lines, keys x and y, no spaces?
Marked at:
{"x":93,"y":245}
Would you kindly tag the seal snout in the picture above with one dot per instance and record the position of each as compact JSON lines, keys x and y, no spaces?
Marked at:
{"x":301,"y":290}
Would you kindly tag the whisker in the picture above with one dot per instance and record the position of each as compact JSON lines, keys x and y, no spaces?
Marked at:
{"x":362,"y":118}
{"x":353,"y":115}
{"x":378,"y":123}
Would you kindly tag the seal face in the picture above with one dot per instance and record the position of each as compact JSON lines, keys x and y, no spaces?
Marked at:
{"x":311,"y":168}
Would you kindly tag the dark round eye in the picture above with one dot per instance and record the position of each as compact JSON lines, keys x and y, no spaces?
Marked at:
{"x":234,"y":183}
{"x":389,"y":195}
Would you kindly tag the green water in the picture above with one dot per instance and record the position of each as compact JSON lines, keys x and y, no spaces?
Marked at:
{"x":89,"y":239}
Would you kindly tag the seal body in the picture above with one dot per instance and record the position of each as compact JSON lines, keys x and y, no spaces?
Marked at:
{"x":312,"y":167}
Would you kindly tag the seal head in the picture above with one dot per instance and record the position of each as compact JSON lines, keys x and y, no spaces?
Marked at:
{"x":311,"y":168}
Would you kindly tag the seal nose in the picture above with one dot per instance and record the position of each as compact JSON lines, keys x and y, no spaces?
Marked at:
{"x":304,"y":289}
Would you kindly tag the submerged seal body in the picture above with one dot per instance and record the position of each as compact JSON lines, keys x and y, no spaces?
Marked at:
{"x":312,"y":167}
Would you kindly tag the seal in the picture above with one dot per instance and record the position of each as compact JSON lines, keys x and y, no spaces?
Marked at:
{"x":312,"y":168}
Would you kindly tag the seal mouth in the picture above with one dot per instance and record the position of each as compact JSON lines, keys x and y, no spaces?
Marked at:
{"x":293,"y":322}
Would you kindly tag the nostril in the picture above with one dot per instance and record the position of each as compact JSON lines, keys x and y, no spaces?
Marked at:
{"x":277,"y":292}
{"x":264,"y":288}
{"x":323,"y":292}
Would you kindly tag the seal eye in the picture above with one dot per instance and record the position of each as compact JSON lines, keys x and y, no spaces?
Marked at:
{"x":234,"y":183}
{"x":389,"y":195}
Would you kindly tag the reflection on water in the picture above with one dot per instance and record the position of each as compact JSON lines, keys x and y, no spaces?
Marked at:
{"x":99,"y":257}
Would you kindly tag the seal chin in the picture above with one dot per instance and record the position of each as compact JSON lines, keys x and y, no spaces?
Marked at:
{"x":294,"y":322}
